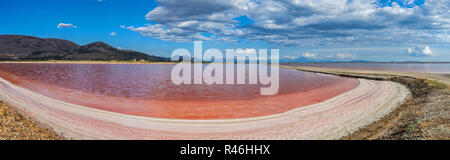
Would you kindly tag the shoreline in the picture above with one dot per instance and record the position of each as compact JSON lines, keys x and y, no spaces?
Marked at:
{"x":78,"y":122}
{"x":423,"y":116}
{"x":386,"y":126}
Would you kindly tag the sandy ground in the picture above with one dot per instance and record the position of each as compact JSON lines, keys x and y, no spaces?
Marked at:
{"x":426,"y":115}
{"x":332,"y":119}
{"x":14,"y":126}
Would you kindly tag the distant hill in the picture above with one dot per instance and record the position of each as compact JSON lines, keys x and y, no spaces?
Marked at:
{"x":18,"y":47}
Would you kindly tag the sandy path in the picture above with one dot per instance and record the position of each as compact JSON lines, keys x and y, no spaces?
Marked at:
{"x":331,"y":119}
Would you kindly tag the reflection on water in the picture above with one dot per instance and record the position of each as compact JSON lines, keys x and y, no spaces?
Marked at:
{"x":147,"y":90}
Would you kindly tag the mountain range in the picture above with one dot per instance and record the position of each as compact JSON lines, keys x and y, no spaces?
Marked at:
{"x":19,"y":47}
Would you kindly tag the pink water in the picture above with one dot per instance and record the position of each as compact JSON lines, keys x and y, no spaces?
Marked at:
{"x":147,"y":90}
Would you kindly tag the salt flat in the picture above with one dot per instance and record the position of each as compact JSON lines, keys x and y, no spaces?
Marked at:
{"x":331,"y":119}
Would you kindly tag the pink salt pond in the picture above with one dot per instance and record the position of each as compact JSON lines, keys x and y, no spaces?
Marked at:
{"x":147,"y":90}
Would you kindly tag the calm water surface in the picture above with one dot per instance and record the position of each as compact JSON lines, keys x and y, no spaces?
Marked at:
{"x":403,"y":67}
{"x":147,"y":90}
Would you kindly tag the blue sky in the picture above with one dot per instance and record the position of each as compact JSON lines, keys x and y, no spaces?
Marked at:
{"x":341,"y":30}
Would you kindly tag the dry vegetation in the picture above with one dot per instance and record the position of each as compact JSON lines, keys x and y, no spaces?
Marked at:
{"x":14,"y":126}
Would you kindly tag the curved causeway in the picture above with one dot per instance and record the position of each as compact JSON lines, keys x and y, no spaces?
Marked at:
{"x":329,"y":119}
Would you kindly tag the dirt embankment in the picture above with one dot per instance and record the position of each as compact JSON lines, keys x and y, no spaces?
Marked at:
{"x":14,"y":126}
{"x":426,"y":115}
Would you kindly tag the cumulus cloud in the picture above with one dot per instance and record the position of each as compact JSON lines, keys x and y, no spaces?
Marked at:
{"x":66,"y":25}
{"x":421,"y":51}
{"x":302,"y":22}
{"x":309,"y":55}
{"x":168,"y":34}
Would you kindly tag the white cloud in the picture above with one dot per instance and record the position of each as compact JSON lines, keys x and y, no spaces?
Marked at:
{"x":331,"y":56}
{"x":421,"y":51}
{"x":304,"y":55}
{"x":345,"y":55}
{"x":302,"y":22}
{"x":66,"y":25}
{"x":309,"y":55}
{"x":168,"y":34}
{"x":113,"y":34}
{"x":342,"y":56}
{"x":290,"y":57}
